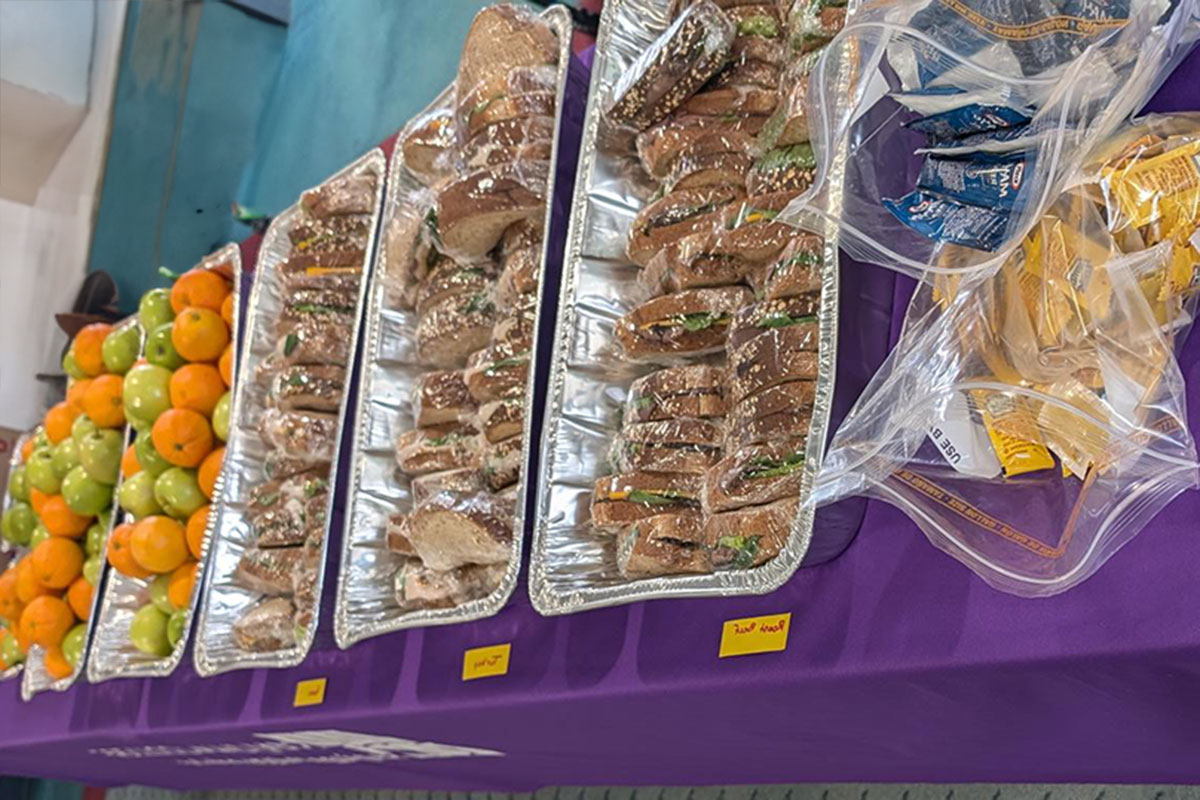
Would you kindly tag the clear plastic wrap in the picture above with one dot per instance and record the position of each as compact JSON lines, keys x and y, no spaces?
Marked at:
{"x":1030,"y":421}
{"x":665,"y":330}
{"x":689,"y":52}
{"x":436,"y":500}
{"x":1045,"y":80}
{"x":266,"y":552}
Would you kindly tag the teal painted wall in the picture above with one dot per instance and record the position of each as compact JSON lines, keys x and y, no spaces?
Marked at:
{"x":192,"y":83}
{"x":352,"y":73}
{"x":215,"y":106}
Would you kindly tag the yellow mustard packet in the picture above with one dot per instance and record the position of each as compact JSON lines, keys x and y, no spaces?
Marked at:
{"x":1012,"y":430}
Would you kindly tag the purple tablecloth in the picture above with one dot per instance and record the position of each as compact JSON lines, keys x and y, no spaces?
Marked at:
{"x":901,"y":666}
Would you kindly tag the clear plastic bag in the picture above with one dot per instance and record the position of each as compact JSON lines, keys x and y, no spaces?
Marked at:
{"x":1033,"y":419}
{"x":1011,"y":78}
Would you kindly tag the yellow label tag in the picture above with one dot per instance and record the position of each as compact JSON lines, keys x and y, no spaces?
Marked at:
{"x":309,"y":693}
{"x":486,"y":662}
{"x":744,"y":637}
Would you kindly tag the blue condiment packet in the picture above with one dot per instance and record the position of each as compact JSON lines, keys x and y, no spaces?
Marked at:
{"x":981,"y":179}
{"x":945,"y":220}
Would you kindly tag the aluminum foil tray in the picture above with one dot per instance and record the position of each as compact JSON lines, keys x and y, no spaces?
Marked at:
{"x":112,"y":655}
{"x":572,"y":566}
{"x":366,"y":603}
{"x":223,"y":601}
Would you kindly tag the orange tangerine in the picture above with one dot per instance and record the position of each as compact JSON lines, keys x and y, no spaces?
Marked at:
{"x":75,"y":393}
{"x":56,"y":664}
{"x":58,"y":422}
{"x":28,"y":587}
{"x":225,"y":365}
{"x":86,"y":347}
{"x":104,"y":402}
{"x":196,"y":387}
{"x":129,"y":462}
{"x":46,"y":620}
{"x":159,"y":544}
{"x":37,"y":499}
{"x":57,"y":562}
{"x":195,"y":530}
{"x":179,"y":585}
{"x":79,"y":598}
{"x":210,"y":470}
{"x":120,"y":554}
{"x":10,"y":604}
{"x":61,"y":520}
{"x":199,"y":334}
{"x":199,"y":288}
{"x":182,"y":436}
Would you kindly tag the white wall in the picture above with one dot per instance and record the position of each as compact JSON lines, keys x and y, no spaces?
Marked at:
{"x":44,"y":246}
{"x":46,"y":45}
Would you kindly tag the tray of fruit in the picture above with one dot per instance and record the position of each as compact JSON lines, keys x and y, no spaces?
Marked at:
{"x":177,"y":399}
{"x":16,"y":526}
{"x":69,"y":471}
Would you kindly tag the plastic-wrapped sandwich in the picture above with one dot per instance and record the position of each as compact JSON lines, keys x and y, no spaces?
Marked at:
{"x":686,"y":384}
{"x":433,"y":521}
{"x":269,"y":523}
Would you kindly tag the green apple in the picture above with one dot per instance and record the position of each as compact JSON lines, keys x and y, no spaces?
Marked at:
{"x":100,"y":454}
{"x":18,"y":523}
{"x":91,"y":569}
{"x":104,"y":518}
{"x":93,"y":542}
{"x":81,"y":427}
{"x":175,"y":625}
{"x":40,"y":438}
{"x":178,"y":492}
{"x":71,"y":366}
{"x":39,"y":535}
{"x":148,"y":631}
{"x":146,"y":392}
{"x":220,"y":418}
{"x":64,"y":457}
{"x":39,"y":472}
{"x":159,"y":349}
{"x":17,"y":485}
{"x":85,"y":495}
{"x":138,"y":424}
{"x":120,"y":349}
{"x":148,"y":456}
{"x":10,"y":651}
{"x":72,"y":644}
{"x":158,"y":594}
{"x":136,"y":495}
{"x":154,"y":309}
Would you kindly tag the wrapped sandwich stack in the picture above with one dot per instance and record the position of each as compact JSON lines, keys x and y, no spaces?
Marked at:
{"x":303,"y":382}
{"x":708,"y":462}
{"x":464,"y":254}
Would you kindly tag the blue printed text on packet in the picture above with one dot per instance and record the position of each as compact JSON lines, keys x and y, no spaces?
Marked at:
{"x":992,"y":181}
{"x":1031,"y":37}
{"x":966,"y":120}
{"x":947,"y":221}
